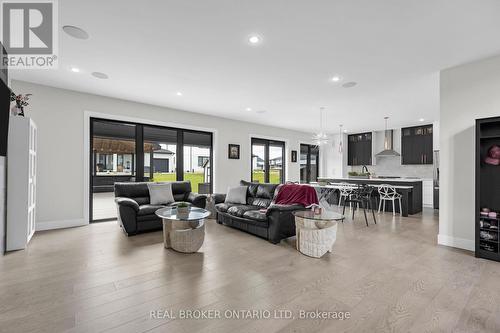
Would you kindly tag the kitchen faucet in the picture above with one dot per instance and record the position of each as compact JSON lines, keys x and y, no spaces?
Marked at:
{"x":364,"y":168}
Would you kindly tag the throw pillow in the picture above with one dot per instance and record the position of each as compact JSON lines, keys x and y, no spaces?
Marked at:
{"x":160,"y":194}
{"x":237,"y":195}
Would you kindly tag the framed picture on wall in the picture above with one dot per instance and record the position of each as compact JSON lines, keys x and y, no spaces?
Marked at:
{"x":294,"y":156}
{"x":233,"y":152}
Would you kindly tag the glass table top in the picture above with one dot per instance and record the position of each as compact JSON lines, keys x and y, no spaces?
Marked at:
{"x":325,"y":215}
{"x":170,"y":213}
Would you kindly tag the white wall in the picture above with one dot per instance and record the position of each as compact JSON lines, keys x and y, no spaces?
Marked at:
{"x":468,"y":92}
{"x":331,"y":160}
{"x":59,"y":115}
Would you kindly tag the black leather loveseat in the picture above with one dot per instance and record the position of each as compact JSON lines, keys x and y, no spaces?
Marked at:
{"x":258,"y":216}
{"x":136,"y":214}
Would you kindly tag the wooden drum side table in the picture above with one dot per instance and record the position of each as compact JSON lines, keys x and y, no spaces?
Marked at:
{"x":316,"y":233}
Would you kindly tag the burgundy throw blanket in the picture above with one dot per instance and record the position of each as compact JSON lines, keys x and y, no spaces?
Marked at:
{"x":295,"y":194}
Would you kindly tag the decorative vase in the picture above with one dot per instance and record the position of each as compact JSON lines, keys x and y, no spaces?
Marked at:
{"x":17,"y":111}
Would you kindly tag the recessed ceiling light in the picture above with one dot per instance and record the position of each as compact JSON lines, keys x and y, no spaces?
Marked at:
{"x":336,"y":78}
{"x":100,"y":75}
{"x":75,"y":69}
{"x":261,"y":111}
{"x":421,"y":119}
{"x":254,"y":39}
{"x":349,"y":84}
{"x":248,"y":109}
{"x":178,"y":93}
{"x":75,"y":32}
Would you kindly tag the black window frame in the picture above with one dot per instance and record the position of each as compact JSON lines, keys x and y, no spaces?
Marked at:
{"x":308,"y":162}
{"x":267,"y":143}
{"x":139,"y":147}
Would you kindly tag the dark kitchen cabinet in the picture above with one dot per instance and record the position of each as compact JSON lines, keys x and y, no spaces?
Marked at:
{"x":359,"y":149}
{"x":416,"y":145}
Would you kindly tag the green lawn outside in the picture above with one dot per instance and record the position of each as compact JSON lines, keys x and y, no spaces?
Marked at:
{"x":196,"y":178}
{"x":274,"y":176}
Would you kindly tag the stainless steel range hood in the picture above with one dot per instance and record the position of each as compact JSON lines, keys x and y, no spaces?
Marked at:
{"x":388,"y":143}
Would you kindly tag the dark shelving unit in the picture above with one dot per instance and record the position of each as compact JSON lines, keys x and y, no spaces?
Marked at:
{"x":487,"y":190}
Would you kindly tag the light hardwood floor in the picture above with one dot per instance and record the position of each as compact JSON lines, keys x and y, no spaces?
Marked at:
{"x":390,"y":277}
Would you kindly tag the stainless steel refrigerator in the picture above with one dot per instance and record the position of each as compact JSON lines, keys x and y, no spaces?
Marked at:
{"x":436,"y":179}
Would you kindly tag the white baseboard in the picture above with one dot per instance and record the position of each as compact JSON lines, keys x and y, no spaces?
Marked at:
{"x":49,"y":225}
{"x":461,"y":243}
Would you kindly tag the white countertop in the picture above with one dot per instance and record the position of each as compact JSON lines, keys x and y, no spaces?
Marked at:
{"x":347,"y":179}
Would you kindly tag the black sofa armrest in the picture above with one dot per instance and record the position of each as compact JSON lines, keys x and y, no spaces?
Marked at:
{"x":281,"y":221}
{"x":198,"y":200}
{"x":127,"y":202}
{"x":283,"y":208}
{"x":218,"y":198}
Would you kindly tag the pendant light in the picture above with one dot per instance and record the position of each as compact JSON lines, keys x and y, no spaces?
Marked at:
{"x":321,"y":138}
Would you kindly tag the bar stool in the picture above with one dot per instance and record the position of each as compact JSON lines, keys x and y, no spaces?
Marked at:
{"x":362,"y":196}
{"x":388,"y":193}
{"x":345,"y":191}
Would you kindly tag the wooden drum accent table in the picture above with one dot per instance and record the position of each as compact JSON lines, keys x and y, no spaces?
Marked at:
{"x":183,"y":233}
{"x":316,"y":233}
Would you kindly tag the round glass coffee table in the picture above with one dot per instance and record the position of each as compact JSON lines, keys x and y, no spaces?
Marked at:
{"x":184,"y":233}
{"x":316,"y":233}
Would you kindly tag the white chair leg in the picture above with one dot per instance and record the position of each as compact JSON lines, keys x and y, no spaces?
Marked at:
{"x":393,"y":208}
{"x":340,"y":199}
{"x":400,"y":207}
{"x":379,"y":205}
{"x":383,"y":206}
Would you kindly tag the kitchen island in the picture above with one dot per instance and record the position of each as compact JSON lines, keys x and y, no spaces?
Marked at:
{"x":410,"y":189}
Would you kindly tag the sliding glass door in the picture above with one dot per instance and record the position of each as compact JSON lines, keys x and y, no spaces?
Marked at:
{"x":113,"y":159}
{"x":132,"y":152}
{"x":309,"y":163}
{"x":268,"y":158}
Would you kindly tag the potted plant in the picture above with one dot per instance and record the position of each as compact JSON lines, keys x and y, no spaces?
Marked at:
{"x":182,"y":210}
{"x":359,"y":175}
{"x":21,"y":102}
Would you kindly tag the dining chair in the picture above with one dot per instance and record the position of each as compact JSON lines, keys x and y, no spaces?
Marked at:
{"x":362,"y":198}
{"x":345,"y":191}
{"x":388,"y":193}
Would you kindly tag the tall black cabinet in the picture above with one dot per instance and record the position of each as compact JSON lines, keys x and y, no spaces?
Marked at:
{"x":416,"y":145}
{"x":487,"y":188}
{"x":359,"y":149}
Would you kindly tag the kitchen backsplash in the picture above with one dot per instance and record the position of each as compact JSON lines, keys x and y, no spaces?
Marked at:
{"x":391,"y":166}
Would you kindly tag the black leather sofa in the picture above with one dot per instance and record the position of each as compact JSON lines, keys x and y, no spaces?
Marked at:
{"x":274,"y":224}
{"x":137,"y":215}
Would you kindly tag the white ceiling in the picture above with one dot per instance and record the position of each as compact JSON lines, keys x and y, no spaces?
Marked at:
{"x":394,"y":49}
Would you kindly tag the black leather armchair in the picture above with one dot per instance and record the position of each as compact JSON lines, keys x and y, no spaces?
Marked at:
{"x":258,"y":216}
{"x":136,"y":214}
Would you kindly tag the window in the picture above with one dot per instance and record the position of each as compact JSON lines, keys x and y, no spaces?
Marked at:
{"x":268,"y":158}
{"x":309,"y":163}
{"x":130,"y":152}
{"x":202,"y":160}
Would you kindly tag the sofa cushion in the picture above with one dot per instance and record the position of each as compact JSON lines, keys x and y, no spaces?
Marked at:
{"x":255,"y":215}
{"x":266,"y":191}
{"x":264,"y":203}
{"x":223,"y":207}
{"x":160,"y":194}
{"x":148,"y":209}
{"x":239,"y":210}
{"x":252,"y":187}
{"x":237,"y":195}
